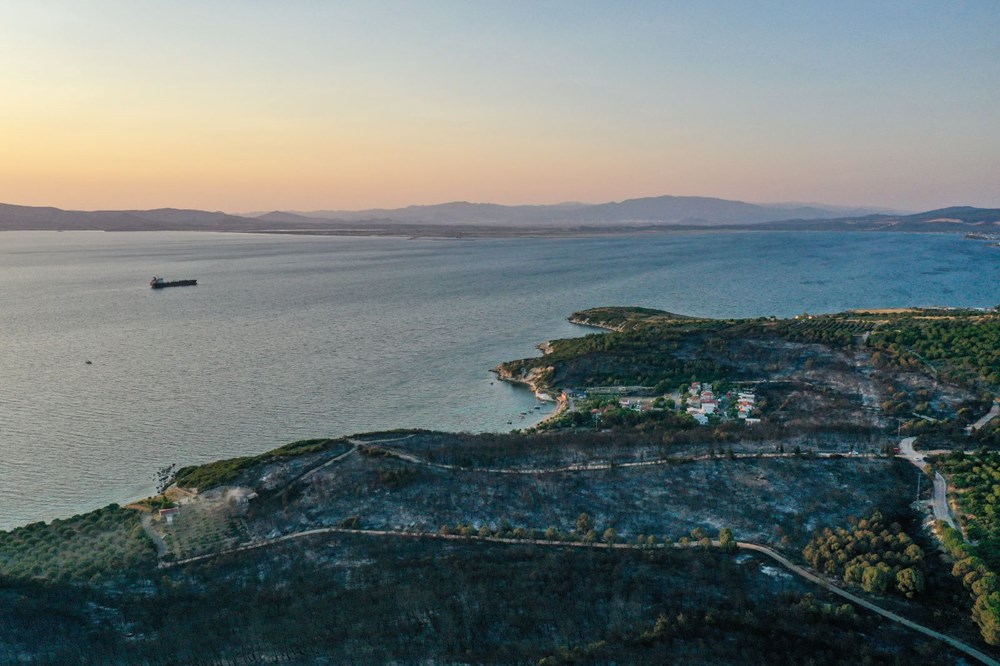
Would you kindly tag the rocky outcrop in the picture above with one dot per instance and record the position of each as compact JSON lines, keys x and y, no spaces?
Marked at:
{"x":536,"y":378}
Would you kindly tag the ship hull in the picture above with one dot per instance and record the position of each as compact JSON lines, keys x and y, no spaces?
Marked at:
{"x":175,"y":283}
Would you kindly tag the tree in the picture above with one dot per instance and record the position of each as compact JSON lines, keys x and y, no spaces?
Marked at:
{"x":727,"y":541}
{"x":876,"y":578}
{"x":987,"y":584}
{"x":914,"y":554}
{"x":986,"y":613}
{"x":853,"y":573}
{"x":584,"y":523}
{"x":609,"y":536}
{"x":661,"y":627}
{"x":965,"y":566}
{"x":910,"y":582}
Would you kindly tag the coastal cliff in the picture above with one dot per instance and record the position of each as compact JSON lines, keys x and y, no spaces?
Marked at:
{"x":536,"y":378}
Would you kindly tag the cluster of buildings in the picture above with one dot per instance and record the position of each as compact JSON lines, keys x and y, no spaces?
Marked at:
{"x":745,"y":404}
{"x":634,"y":404}
{"x":702,"y":402}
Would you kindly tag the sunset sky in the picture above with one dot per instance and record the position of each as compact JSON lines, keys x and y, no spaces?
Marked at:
{"x":248,"y":105}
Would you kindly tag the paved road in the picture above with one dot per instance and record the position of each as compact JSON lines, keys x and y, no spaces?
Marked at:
{"x":942,"y":511}
{"x":990,"y":415}
{"x":743,"y":545}
{"x":822,"y":582}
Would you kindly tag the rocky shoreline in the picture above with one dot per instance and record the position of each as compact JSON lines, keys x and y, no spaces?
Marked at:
{"x":534,"y":382}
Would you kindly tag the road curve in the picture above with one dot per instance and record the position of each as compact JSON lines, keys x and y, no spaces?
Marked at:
{"x":942,"y":510}
{"x":742,"y":545}
{"x":794,"y":568}
{"x":990,"y":415}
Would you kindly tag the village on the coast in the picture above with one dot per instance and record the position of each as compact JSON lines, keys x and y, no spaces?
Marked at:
{"x":700,"y":400}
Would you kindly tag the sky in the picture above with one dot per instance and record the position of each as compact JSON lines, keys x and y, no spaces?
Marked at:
{"x":253,"y":105}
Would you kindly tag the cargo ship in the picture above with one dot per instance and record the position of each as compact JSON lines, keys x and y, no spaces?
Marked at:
{"x":160,"y":283}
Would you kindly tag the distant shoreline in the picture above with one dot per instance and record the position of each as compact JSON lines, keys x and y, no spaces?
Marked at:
{"x":441,"y":232}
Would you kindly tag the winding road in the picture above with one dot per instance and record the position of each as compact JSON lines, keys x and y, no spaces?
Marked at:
{"x":854,"y":599}
{"x":942,"y":511}
{"x":742,"y":545}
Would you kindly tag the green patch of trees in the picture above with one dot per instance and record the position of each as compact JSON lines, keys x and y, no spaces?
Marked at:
{"x":644,"y":355}
{"x":831,"y":330}
{"x":619,"y":317}
{"x":976,"y":478}
{"x":964,"y":349}
{"x":978,"y":579}
{"x":614,"y":416}
{"x":82,"y":548}
{"x":226,"y":471}
{"x":873,"y":555}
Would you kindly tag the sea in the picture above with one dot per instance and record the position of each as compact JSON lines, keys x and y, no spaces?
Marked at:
{"x":103,"y":380}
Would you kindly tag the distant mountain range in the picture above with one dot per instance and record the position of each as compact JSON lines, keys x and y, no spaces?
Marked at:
{"x":161,"y":219}
{"x":470,"y":219}
{"x":649,"y":210}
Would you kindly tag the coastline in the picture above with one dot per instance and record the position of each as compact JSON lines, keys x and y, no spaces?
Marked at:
{"x":532,"y":382}
{"x":562,"y":405}
{"x":509,"y":411}
{"x":446,"y":232}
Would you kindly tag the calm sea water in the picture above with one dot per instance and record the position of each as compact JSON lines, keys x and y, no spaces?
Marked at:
{"x":293,"y":337}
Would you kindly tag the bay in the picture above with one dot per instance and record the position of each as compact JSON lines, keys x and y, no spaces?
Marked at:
{"x":293,"y":337}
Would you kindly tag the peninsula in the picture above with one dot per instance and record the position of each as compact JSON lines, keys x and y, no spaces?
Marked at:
{"x":713,"y":491}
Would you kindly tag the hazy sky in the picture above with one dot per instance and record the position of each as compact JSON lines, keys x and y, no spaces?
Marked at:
{"x":247,"y":105}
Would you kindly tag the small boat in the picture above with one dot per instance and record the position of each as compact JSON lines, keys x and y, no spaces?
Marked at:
{"x":160,"y":283}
